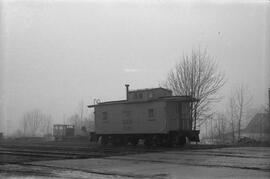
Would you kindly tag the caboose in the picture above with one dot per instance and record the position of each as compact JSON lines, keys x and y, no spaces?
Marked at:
{"x":153,"y":115}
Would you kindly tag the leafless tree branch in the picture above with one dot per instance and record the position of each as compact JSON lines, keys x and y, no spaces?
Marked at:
{"x":197,"y":75}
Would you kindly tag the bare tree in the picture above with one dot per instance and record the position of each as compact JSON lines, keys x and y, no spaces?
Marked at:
{"x":36,"y":123}
{"x":31,"y":122}
{"x":81,"y":109}
{"x":240,"y":102}
{"x":81,"y":121}
{"x":221,"y":124}
{"x":46,"y":124}
{"x":232,"y":113}
{"x":198,"y":76}
{"x":75,"y":120}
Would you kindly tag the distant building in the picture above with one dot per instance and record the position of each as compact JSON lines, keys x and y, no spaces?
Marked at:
{"x":258,"y":128}
{"x":62,"y":131}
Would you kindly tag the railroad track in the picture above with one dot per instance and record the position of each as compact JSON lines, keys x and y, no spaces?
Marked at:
{"x":55,"y":151}
{"x":50,"y":154}
{"x":39,"y":152}
{"x":50,"y":146}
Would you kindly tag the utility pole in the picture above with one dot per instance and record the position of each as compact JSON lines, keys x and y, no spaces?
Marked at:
{"x":212,"y":129}
{"x":269,"y":102}
{"x":206,"y":136}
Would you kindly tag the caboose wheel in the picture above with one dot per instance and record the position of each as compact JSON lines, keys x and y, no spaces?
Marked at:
{"x":119,"y":140}
{"x":104,"y":140}
{"x":182,"y":140}
{"x":134,"y":141}
{"x":168,"y":143}
{"x":161,"y":141}
{"x":148,"y":142}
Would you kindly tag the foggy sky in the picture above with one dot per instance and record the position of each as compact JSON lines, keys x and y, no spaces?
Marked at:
{"x":55,"y":54}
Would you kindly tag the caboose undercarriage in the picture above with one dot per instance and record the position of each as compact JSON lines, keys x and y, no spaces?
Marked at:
{"x":172,"y":138}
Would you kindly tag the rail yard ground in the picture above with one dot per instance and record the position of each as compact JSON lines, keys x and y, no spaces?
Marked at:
{"x":80,"y":159}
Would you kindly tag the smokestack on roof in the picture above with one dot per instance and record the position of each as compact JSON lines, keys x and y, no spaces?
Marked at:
{"x":127,"y":86}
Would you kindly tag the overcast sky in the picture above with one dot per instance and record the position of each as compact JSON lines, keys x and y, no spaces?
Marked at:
{"x":55,"y":54}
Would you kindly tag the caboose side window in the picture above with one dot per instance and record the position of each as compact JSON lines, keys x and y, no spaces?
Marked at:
{"x":185,"y":111}
{"x":151,"y":112}
{"x":126,"y":114}
{"x":132,"y":95}
{"x":105,"y":116}
{"x":150,"y":95}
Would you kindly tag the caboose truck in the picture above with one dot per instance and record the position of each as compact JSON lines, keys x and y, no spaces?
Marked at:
{"x":153,"y":115}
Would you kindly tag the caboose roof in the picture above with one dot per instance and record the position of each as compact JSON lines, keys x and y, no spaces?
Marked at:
{"x":166,"y":98}
{"x":149,"y":89}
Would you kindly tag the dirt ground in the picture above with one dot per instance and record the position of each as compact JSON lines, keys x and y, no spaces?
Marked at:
{"x":242,"y":162}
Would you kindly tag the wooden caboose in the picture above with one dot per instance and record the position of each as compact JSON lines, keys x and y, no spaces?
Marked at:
{"x":153,"y":115}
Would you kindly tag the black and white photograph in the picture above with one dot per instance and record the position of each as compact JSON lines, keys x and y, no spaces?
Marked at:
{"x":134,"y":89}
